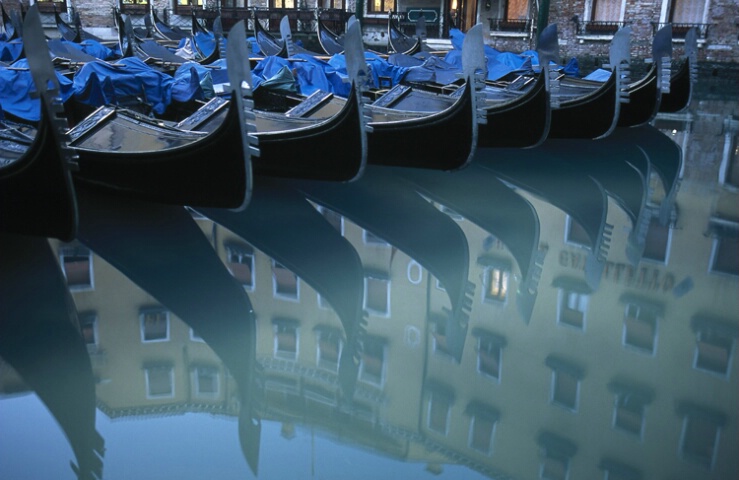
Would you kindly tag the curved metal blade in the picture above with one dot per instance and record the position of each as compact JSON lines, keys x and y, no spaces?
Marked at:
{"x":473,"y":53}
{"x":356,"y":66}
{"x":37,"y":53}
{"x":287,"y":36}
{"x":548,"y":47}
{"x":620,"y":51}
{"x":662,"y":43}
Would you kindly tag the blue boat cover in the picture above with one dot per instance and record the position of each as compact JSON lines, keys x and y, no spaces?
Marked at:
{"x":599,"y":75}
{"x":92,"y":47}
{"x":130,"y":77}
{"x":16,"y":85}
{"x":10,"y":51}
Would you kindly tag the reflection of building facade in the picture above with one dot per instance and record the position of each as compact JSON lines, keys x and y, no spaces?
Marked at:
{"x":635,"y":379}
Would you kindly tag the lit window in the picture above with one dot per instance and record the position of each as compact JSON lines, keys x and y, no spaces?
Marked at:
{"x":88,"y":327}
{"x":572,"y":308}
{"x":509,"y":15}
{"x":380,"y":6}
{"x":240,"y":262}
{"x":657,"y":243}
{"x":76,"y":262}
{"x":496,"y":283}
{"x":285,"y":338}
{"x":154,"y":325}
{"x":284,"y":282}
{"x":700,"y":434}
{"x":714,"y":347}
{"x":565,"y":387}
{"x":159,"y":381}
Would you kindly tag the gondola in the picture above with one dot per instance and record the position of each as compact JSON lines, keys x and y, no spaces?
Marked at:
{"x":137,"y":157}
{"x":514,"y":221}
{"x":40,"y":339}
{"x":147,"y":50}
{"x":682,"y":82}
{"x":12,"y":23}
{"x":575,"y":192}
{"x":75,"y":33}
{"x":334,"y":148}
{"x":387,"y":206}
{"x":594,"y":114}
{"x":399,"y":42}
{"x":407,"y":125}
{"x":36,"y":192}
{"x":331,"y":42}
{"x":147,"y":243}
{"x":173,"y":34}
{"x":271,"y":46}
{"x":320,"y":256}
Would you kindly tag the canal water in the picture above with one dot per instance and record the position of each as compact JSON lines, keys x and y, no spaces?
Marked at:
{"x":564,"y":312}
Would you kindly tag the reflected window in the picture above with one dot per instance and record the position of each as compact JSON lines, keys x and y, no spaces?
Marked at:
{"x":372,"y":363}
{"x":206,"y":381}
{"x":159,"y":381}
{"x":629,"y":408}
{"x":483,"y":419}
{"x":89,"y":328}
{"x":439,"y":335}
{"x":556,"y":453}
{"x":195,"y":336}
{"x":615,"y":470}
{"x":328,"y":348}
{"x":657,"y":243}
{"x":240,"y":262}
{"x":729,"y":172}
{"x":565,"y":385}
{"x":575,"y":234}
{"x":496,"y":284}
{"x":154,"y":325}
{"x":714,"y":348}
{"x":572,"y":308}
{"x":372,"y":239}
{"x":489,"y":353}
{"x":700,"y":434}
{"x":725,"y":256}
{"x":333,"y":218}
{"x":76,"y":262}
{"x":284,"y":282}
{"x":377,"y":294}
{"x":640,"y":328}
{"x":285,"y":338}
{"x":439,"y":409}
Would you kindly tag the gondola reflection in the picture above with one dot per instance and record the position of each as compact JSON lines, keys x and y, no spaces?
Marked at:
{"x":567,"y":311}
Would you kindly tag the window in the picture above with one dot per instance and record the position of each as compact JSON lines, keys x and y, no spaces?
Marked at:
{"x":159,"y":381}
{"x":571,"y":308}
{"x":137,"y":7}
{"x":333,"y":218}
{"x":640,"y":324}
{"x":700,"y":434}
{"x":575,"y":233}
{"x":284,"y":282}
{"x":285,"y":338}
{"x":657,"y":243}
{"x":440,"y":400}
{"x":615,"y":470}
{"x":725,"y":255}
{"x":602,"y":17}
{"x":439,"y":326}
{"x":509,"y":15}
{"x":205,"y":381}
{"x":240,"y":262}
{"x":372,"y":239}
{"x":556,"y":453}
{"x":489,"y":353}
{"x":380,"y":6}
{"x":496,"y":284}
{"x":687,"y":11}
{"x":377,"y":294}
{"x":483,"y":419}
{"x":282,"y":3}
{"x":629,"y":406}
{"x":50,"y":6}
{"x":328,"y":348}
{"x":372,"y":363}
{"x":154,"y":325}
{"x":76,"y":262}
{"x":565,"y":387}
{"x":714,"y":346}
{"x":88,"y":328}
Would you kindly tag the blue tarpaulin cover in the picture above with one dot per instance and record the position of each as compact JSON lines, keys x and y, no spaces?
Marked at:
{"x":129,"y":77}
{"x":16,"y":85}
{"x":10,"y":51}
{"x":92,"y":47}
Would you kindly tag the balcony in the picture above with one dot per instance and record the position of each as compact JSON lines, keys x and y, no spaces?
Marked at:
{"x":679,"y":30}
